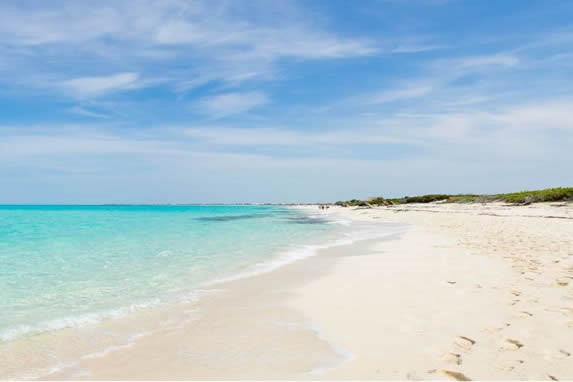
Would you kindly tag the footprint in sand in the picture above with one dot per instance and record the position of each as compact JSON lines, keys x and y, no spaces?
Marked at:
{"x":511,"y":344}
{"x":524,"y":314}
{"x":464,"y":342}
{"x":511,"y":364}
{"x":494,"y":329}
{"x":456,"y":375}
{"x":452,"y":358}
{"x":558,"y":354}
{"x":562,"y":282}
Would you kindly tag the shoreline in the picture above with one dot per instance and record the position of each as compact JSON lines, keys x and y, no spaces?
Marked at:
{"x":142,"y":330}
{"x":469,"y":292}
{"x":243,"y":329}
{"x":79,"y":320}
{"x":464,"y":292}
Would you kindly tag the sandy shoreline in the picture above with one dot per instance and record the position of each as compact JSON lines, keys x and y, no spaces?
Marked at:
{"x":470,"y":291}
{"x":467,"y":291}
{"x":241,"y":328}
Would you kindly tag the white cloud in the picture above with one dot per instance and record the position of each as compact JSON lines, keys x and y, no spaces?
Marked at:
{"x":246,"y":41}
{"x":80,"y":110}
{"x":79,"y":141}
{"x":453,"y":68}
{"x":272,"y":136}
{"x":437,"y":86}
{"x":306,"y":43}
{"x":170,"y":22}
{"x":99,"y":85}
{"x":398,"y":94}
{"x":63,"y":23}
{"x":195,"y":42}
{"x":227,"y":104}
{"x":244,"y":136}
{"x":416,"y":48}
{"x":504,"y":60}
{"x":549,"y":114}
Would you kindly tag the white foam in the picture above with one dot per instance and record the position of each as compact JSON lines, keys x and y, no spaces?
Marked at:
{"x":77,"y":321}
{"x":372,"y":231}
{"x":42,"y":373}
{"x":113,"y":348}
{"x":344,"y":355}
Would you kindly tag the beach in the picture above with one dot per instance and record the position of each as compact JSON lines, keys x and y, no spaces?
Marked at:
{"x":468,"y":292}
{"x":213,"y":190}
{"x":445,"y":291}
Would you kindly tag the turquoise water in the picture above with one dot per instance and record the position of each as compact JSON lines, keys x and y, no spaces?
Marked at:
{"x":65,"y":266}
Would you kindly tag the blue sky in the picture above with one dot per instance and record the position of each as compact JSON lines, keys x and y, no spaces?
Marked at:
{"x":282,"y":101}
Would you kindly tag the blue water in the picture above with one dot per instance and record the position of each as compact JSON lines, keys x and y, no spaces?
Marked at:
{"x":69,"y":265}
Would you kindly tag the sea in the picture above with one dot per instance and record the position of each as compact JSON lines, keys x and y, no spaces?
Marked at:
{"x":70,"y":266}
{"x":77,"y":281}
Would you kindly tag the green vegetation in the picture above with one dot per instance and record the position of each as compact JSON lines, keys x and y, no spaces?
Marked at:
{"x":352,"y":203}
{"x":547,"y":195}
{"x":523,"y":197}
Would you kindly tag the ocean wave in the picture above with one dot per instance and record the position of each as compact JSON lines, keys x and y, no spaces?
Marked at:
{"x":77,"y":321}
{"x":113,"y":348}
{"x":227,"y":218}
{"x":298,"y":253}
{"x":306,"y":220}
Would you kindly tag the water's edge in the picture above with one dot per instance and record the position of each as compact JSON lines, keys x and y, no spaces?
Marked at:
{"x":346,"y":234}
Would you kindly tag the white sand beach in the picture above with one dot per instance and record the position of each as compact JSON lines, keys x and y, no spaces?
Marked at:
{"x":286,"y":190}
{"x":468,"y":291}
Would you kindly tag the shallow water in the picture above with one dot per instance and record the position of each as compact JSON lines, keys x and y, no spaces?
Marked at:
{"x":63,"y":266}
{"x":114,"y":276}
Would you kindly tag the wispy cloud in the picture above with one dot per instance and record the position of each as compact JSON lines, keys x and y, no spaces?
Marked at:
{"x":485,"y":61}
{"x":406,"y":92}
{"x":99,"y":85}
{"x":83,"y":111}
{"x":227,"y":104}
{"x":547,"y":114}
{"x":216,"y":44}
{"x":416,"y":48}
{"x":472,"y":132}
{"x":272,"y":136}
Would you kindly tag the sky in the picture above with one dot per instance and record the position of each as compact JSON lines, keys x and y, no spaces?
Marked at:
{"x":181,"y":101}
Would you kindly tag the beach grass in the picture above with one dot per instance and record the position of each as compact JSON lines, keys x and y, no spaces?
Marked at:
{"x":521,"y":197}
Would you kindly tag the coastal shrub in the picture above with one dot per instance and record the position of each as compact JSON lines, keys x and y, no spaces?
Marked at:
{"x":523,"y":197}
{"x":378,"y":201}
{"x":425,"y":198}
{"x":546,"y":195}
{"x":466,"y":198}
